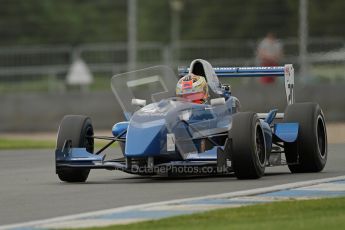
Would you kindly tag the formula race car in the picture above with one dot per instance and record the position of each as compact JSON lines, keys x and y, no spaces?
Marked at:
{"x":170,"y":135}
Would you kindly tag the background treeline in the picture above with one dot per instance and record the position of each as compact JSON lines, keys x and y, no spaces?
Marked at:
{"x":24,"y":22}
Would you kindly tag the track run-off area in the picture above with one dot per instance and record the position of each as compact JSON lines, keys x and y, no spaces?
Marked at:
{"x":30,"y":190}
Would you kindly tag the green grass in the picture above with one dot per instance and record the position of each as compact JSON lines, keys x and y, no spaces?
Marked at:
{"x":7,"y":143}
{"x":310,"y":214}
{"x":26,"y":144}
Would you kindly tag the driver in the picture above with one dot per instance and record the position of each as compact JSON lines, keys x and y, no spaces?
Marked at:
{"x":194,"y":88}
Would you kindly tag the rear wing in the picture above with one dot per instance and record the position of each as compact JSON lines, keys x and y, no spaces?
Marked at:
{"x":286,"y":71}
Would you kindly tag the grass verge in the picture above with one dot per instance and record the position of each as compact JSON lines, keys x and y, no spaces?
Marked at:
{"x":309,"y":214}
{"x":26,"y":144}
{"x":18,"y":143}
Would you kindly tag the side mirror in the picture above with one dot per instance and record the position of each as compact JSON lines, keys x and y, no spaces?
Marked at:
{"x":138,"y":102}
{"x":218,"y":101}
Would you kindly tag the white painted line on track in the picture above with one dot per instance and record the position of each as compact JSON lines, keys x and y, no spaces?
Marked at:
{"x":325,"y":187}
{"x":250,"y":192}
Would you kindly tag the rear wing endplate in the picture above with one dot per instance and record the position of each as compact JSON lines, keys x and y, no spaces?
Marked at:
{"x":285,"y":71}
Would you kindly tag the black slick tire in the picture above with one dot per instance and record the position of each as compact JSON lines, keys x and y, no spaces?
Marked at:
{"x":75,"y":128}
{"x":309,"y":153}
{"x":248,"y":146}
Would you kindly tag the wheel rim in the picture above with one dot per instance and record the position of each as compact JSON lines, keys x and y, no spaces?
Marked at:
{"x":321,"y":136}
{"x":89,"y":142}
{"x":260,"y":145}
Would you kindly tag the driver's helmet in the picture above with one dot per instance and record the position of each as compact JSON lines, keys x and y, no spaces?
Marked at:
{"x":193,"y":88}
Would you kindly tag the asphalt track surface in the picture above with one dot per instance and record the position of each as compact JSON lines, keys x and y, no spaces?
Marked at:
{"x":30,"y":190}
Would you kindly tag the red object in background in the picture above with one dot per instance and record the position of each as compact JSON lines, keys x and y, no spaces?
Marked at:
{"x":268,"y":80}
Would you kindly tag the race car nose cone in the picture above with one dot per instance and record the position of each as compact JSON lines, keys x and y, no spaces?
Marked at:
{"x":145,"y":141}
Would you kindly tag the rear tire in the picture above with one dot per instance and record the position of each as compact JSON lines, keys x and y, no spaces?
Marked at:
{"x":309,"y":152}
{"x":248,"y":146}
{"x":75,"y":128}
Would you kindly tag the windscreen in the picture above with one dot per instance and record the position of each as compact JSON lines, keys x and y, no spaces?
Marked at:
{"x":150,"y":84}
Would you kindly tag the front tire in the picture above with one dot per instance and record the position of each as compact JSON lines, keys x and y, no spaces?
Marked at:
{"x":75,"y":128}
{"x":309,"y":153}
{"x":248,"y":146}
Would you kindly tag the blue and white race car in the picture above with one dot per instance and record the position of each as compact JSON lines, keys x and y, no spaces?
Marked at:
{"x":165,"y":134}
